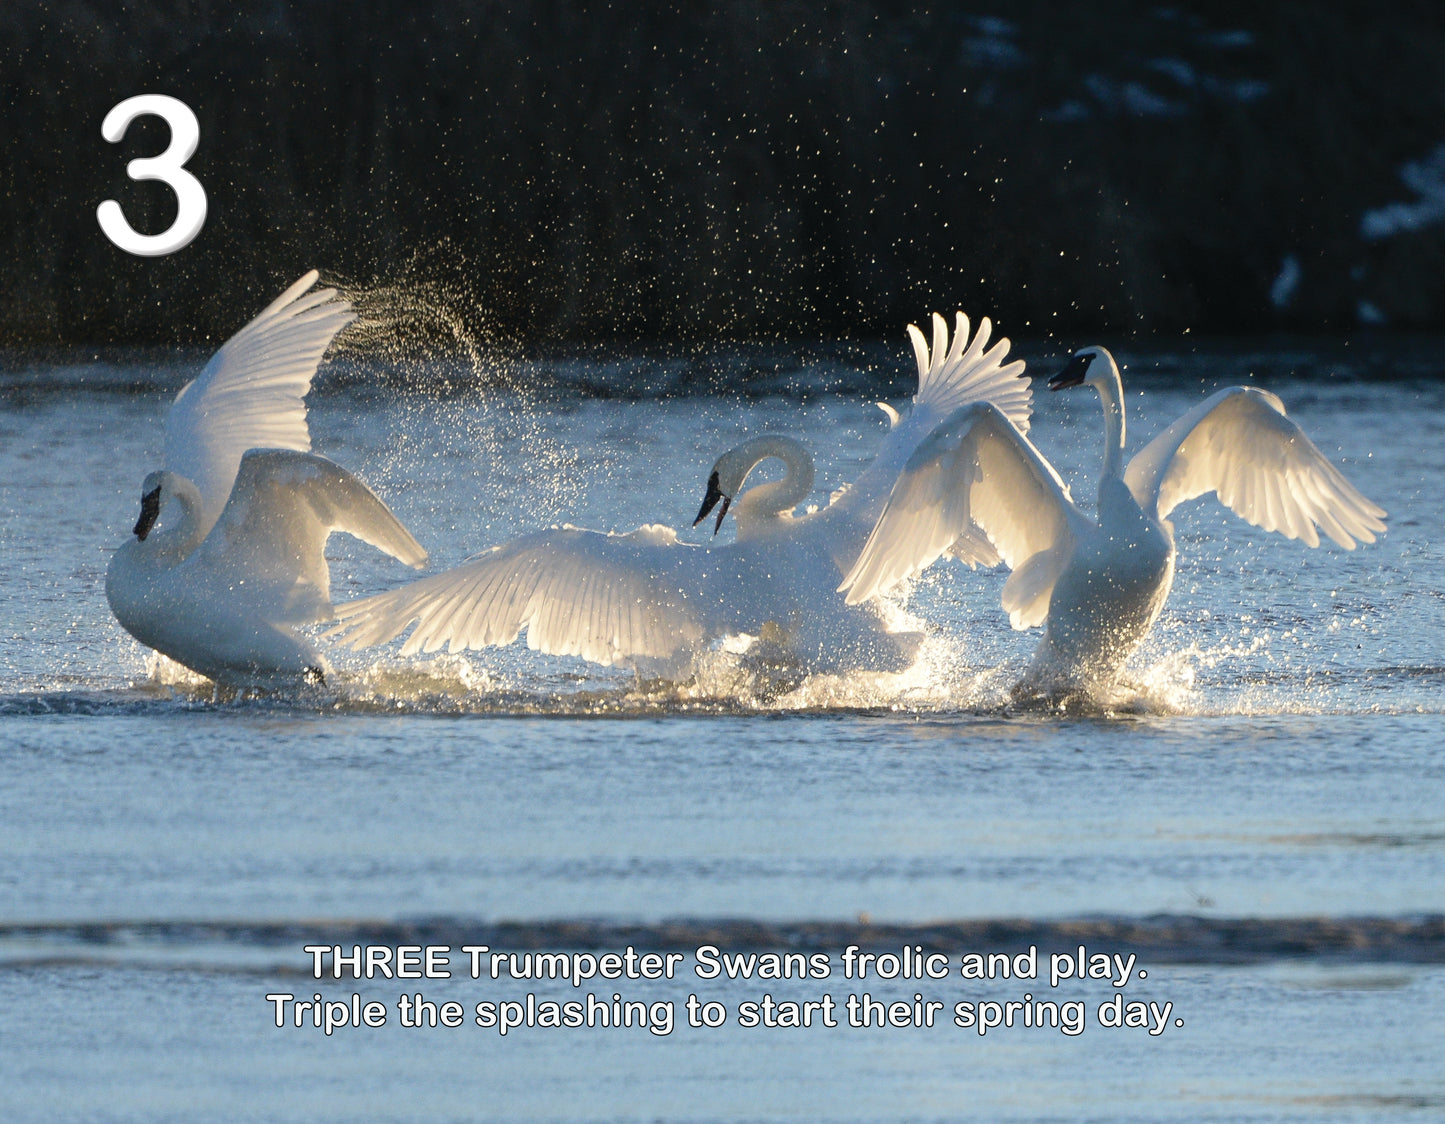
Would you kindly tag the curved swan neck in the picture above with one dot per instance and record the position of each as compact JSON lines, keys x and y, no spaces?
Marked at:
{"x":777,"y":497}
{"x":186,"y":533}
{"x":1111,"y":394}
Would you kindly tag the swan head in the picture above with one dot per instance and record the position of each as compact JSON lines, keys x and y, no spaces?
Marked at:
{"x":155,"y":490}
{"x":726,"y":480}
{"x":773,"y":499}
{"x":1090,"y":366}
{"x":150,"y":504}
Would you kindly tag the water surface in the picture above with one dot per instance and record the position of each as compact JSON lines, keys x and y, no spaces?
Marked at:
{"x":1277,"y":759}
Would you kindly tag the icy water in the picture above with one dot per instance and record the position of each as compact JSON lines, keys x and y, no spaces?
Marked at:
{"x":168,"y":849}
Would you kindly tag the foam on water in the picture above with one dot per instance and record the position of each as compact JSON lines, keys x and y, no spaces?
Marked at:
{"x":745,"y":675}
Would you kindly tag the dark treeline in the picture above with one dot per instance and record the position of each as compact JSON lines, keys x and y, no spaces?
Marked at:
{"x":568,"y":172}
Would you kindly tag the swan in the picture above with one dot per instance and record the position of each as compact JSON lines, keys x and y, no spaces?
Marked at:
{"x":1098,"y":587}
{"x":244,"y":508}
{"x":645,"y":599}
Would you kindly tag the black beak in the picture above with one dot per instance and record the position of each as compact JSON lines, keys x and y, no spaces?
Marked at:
{"x":1073,"y":374}
{"x":709,"y":501}
{"x":150,"y":511}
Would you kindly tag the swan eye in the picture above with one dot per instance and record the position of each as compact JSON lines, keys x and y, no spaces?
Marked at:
{"x":150,"y":511}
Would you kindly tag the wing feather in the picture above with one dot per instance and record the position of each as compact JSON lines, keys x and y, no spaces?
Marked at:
{"x":974,"y":475}
{"x":1240,"y":444}
{"x":251,"y":393}
{"x":271,"y":535}
{"x":951,"y":377}
{"x":611,"y":599}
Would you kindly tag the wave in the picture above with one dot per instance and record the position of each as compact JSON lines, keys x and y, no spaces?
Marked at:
{"x":1157,"y":938}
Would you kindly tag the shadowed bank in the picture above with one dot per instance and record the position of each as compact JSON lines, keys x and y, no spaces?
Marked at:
{"x":577,"y":172}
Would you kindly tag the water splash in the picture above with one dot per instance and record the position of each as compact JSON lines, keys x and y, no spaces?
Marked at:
{"x":1232,"y":677}
{"x":417,"y":327}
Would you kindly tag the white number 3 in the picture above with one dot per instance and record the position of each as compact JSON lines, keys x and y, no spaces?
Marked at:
{"x":167,"y":167}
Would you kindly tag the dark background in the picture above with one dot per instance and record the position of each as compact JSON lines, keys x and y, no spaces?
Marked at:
{"x":563,"y":173}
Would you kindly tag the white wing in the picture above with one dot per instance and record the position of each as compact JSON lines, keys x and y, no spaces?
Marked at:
{"x":952,"y":377}
{"x":974,"y":469}
{"x":267,"y":548}
{"x":251,"y":394}
{"x":608,"y":598}
{"x":1239,"y":444}
{"x":949,"y":378}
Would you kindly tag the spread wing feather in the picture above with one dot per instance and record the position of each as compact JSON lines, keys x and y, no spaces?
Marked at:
{"x":953,"y":376}
{"x":251,"y":393}
{"x":1239,"y":444}
{"x":974,"y":475}
{"x":950,"y":376}
{"x":271,"y":537}
{"x":608,"y":598}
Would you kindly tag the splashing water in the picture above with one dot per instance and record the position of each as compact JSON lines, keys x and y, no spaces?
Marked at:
{"x":1263,"y":760}
{"x":471,"y":451}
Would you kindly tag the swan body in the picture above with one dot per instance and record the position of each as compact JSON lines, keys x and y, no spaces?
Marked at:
{"x":226,"y":559}
{"x":644,"y":599}
{"x":1099,"y":585}
{"x":1110,"y":591}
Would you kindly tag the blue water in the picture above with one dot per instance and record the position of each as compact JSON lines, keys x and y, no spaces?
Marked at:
{"x":1279,"y":759}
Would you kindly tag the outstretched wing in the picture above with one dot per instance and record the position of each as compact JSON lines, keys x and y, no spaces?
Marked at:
{"x":608,"y":598}
{"x":950,"y":377}
{"x":251,"y":394}
{"x":975,"y":470}
{"x":1239,"y":444}
{"x":269,"y":542}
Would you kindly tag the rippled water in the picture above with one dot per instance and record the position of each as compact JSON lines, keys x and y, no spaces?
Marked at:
{"x":1280,"y":758}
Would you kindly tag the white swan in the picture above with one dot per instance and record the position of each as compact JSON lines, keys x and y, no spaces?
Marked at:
{"x":644,"y":598}
{"x":237,"y":562}
{"x":1100,"y":586}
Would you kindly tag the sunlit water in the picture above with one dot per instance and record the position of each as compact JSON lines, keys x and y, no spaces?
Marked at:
{"x":1277,"y":755}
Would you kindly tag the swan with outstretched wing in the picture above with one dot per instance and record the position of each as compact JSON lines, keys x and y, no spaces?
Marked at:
{"x":646,"y":599}
{"x":1099,"y":586}
{"x":226,"y":558}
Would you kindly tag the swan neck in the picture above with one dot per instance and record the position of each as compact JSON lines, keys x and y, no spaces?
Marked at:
{"x":778,"y":497}
{"x":187,"y":532}
{"x":1111,"y":394}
